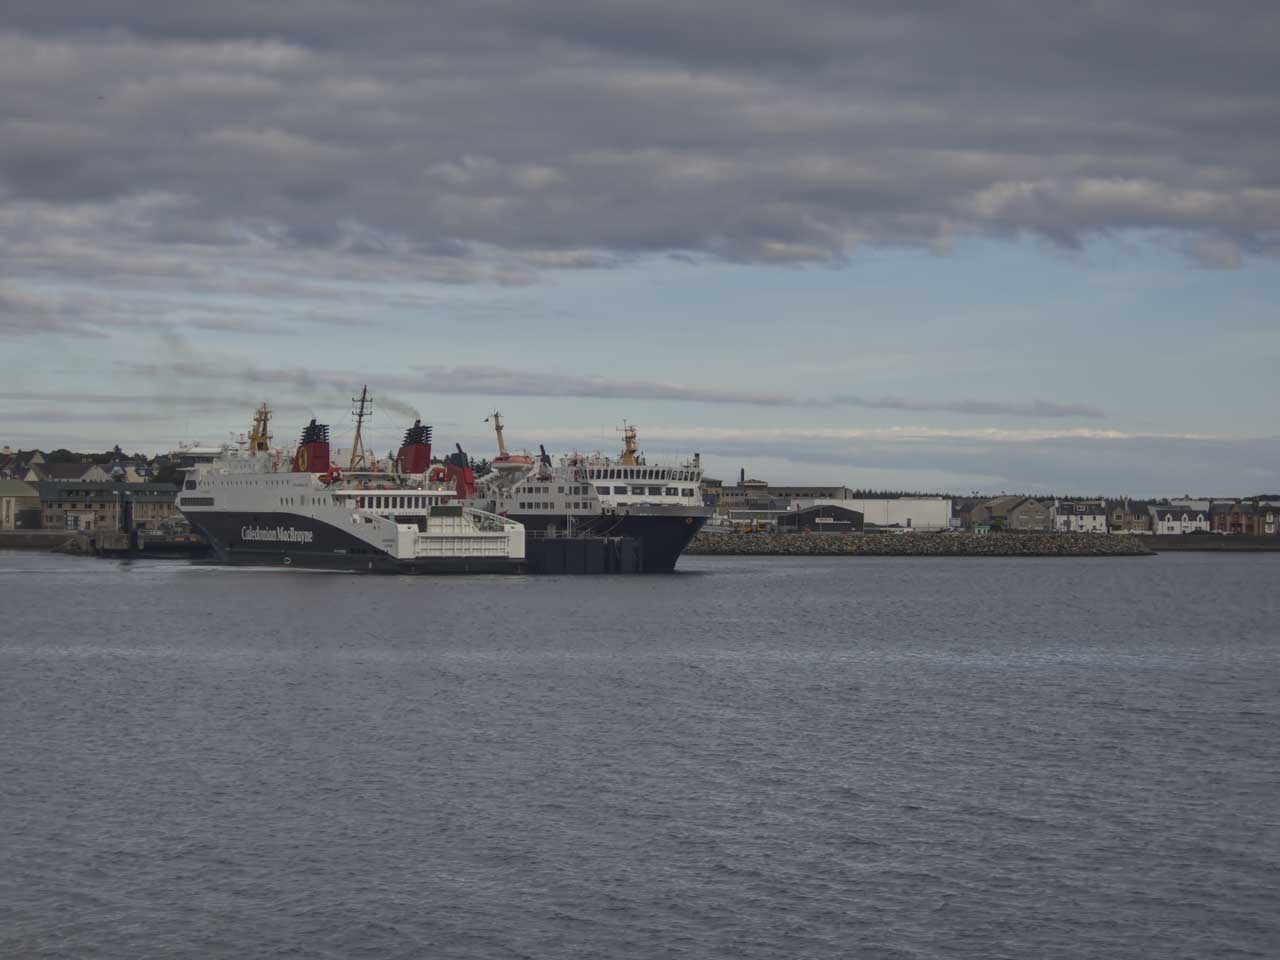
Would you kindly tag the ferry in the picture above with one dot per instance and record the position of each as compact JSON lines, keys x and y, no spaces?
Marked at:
{"x":257,"y":506}
{"x":659,"y":505}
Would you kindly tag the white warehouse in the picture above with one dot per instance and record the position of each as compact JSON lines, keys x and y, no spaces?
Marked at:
{"x":915,"y":513}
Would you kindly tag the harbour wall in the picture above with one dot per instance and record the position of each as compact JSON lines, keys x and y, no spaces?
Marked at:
{"x":1213,"y":543}
{"x":1005,"y":544}
{"x":34,"y":539}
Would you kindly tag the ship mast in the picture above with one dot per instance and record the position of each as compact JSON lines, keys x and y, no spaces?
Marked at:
{"x":629,"y":445}
{"x":497,"y":428}
{"x":363,"y":408}
{"x":259,"y":437}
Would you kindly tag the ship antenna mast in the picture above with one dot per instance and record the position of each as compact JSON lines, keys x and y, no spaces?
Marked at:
{"x":629,"y":446}
{"x":497,"y":428}
{"x":363,"y":408}
{"x":259,"y":436}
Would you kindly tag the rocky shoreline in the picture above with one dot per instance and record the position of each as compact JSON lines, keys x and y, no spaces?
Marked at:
{"x":918,"y":545}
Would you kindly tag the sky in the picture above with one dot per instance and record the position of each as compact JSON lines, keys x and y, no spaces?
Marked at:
{"x":993,"y":246}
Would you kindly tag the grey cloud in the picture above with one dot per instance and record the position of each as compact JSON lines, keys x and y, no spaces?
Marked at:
{"x":495,"y":380}
{"x":23,"y":314}
{"x":483,"y":381}
{"x":1036,"y":408}
{"x":491,"y":140}
{"x":1127,"y":465}
{"x":499,"y":381}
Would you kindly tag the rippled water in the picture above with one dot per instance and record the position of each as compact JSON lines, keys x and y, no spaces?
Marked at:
{"x":830,"y":757}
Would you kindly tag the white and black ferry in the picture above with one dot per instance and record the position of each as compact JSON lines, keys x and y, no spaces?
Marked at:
{"x":257,"y":506}
{"x":658,"y":505}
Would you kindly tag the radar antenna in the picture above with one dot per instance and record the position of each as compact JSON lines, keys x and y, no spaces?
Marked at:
{"x":363,"y":409}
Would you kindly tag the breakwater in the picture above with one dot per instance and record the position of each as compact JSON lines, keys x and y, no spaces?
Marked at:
{"x":918,"y":545}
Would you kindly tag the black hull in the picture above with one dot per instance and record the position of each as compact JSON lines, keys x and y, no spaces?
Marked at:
{"x":662,"y":537}
{"x":320,"y":546}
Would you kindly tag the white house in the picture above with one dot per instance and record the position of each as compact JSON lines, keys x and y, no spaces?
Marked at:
{"x":1079,"y":516}
{"x":1170,"y":519}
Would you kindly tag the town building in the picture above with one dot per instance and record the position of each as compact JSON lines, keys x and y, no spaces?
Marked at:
{"x":14,"y":464}
{"x":1129,"y":516}
{"x":19,"y":505}
{"x":1010,"y":513}
{"x":750,"y":494}
{"x":99,"y":506}
{"x":711,"y":490}
{"x":83,"y":472}
{"x":1170,"y":520}
{"x":1079,"y":516}
{"x":824,"y":518}
{"x":1253,"y":518}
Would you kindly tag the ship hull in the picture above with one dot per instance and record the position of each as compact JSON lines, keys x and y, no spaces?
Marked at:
{"x":305,"y":543}
{"x":662,"y":536}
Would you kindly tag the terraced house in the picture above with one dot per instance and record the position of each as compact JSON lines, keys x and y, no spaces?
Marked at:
{"x":1258,"y":518}
{"x":1128,"y":516}
{"x":1079,"y":516}
{"x":1171,"y":519}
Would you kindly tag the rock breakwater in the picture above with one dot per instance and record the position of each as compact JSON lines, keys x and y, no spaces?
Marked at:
{"x":918,"y":545}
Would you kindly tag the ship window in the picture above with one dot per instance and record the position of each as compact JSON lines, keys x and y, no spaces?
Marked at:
{"x":560,"y":490}
{"x":619,"y":489}
{"x":686,"y":493}
{"x":602,"y":491}
{"x":672,"y":492}
{"x":655,"y":491}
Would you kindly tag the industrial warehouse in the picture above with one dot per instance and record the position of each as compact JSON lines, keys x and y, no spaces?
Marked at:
{"x":758,"y":504}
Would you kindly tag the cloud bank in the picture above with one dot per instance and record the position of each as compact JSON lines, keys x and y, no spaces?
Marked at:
{"x":504,"y":382}
{"x":150,"y":144}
